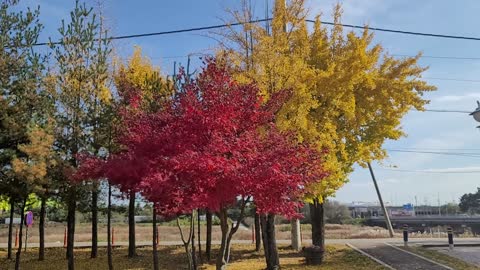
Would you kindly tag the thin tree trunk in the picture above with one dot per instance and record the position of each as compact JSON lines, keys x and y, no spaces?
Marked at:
{"x":194,"y":255}
{"x":222,"y":258}
{"x":154,"y":238}
{"x":199,"y":241}
{"x":94,"y":251}
{"x":10,"y":228}
{"x":296,"y":234}
{"x":263,"y":222}
{"x":19,"y":250}
{"x":109,"y":228}
{"x":318,"y":224}
{"x":41,"y":229}
{"x":131,"y":225}
{"x":72,"y":205}
{"x":258,"y":235}
{"x":270,"y":243}
{"x":208,"y":244}
{"x":228,"y":230}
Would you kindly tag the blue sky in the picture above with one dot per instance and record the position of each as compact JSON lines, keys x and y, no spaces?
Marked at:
{"x":426,"y":130}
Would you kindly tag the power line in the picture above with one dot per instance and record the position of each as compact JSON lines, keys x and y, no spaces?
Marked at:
{"x":429,"y":171}
{"x":463,"y":154}
{"x":396,"y":55}
{"x":440,"y":149}
{"x":452,"y":79}
{"x":194,"y":29}
{"x":401,"y":31}
{"x":168,"y":32}
{"x":444,"y":111}
{"x":439,"y":57}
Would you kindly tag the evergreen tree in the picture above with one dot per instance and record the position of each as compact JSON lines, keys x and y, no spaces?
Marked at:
{"x":23,"y":103}
{"x":80,"y":92}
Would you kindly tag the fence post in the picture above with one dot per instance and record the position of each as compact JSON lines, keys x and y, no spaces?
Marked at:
{"x":253,"y":233}
{"x":113,"y":236}
{"x":16,"y":237}
{"x":450,"y":237}
{"x":405,"y":235}
{"x":158,"y":237}
{"x":65,"y":238}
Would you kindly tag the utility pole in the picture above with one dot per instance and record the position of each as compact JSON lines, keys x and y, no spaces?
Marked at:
{"x":385,"y":213}
{"x":439,"y":208}
{"x":415,"y":207}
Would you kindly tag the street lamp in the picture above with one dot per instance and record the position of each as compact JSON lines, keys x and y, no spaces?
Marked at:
{"x":476,"y":113}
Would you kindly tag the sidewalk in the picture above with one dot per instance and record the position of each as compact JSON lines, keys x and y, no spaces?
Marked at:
{"x":412,"y":241}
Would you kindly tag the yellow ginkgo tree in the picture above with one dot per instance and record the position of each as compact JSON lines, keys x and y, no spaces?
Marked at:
{"x":348,"y":94}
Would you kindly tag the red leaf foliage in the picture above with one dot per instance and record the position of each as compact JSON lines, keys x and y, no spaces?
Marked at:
{"x":215,"y":142}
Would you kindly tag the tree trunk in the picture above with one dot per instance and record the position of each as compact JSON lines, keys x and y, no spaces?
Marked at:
{"x":72,"y":205}
{"x":41,"y":229}
{"x":154,"y":238}
{"x":131,"y":225}
{"x":199,"y":243}
{"x":94,"y":251}
{"x":224,"y":252}
{"x":318,"y":224}
{"x":194,"y":255}
{"x":208,"y":244}
{"x":109,"y":228}
{"x":296,"y":238}
{"x":269,"y":242}
{"x":10,"y":228}
{"x":22,"y":220}
{"x":258,"y":235}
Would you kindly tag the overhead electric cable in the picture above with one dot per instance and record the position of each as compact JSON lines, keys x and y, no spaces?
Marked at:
{"x":194,"y":29}
{"x":463,"y":154}
{"x":401,"y":31}
{"x":429,"y":171}
{"x":445,"y":111}
{"x":439,"y":57}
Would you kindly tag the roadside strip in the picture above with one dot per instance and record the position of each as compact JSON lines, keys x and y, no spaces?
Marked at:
{"x":369,"y":256}
{"x":419,"y":256}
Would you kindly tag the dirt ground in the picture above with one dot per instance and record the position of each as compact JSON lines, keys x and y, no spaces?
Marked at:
{"x":243,"y":258}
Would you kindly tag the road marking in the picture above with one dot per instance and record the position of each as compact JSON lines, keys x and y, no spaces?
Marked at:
{"x":419,"y":256}
{"x":370,"y":256}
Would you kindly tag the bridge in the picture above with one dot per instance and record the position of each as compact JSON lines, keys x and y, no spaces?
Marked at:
{"x":423,"y":223}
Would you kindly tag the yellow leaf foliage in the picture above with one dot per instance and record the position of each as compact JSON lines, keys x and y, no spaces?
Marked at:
{"x":142,"y":75}
{"x":32,"y":167}
{"x":349,"y":96}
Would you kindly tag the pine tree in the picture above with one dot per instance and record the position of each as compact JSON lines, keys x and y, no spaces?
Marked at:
{"x":22,"y":100}
{"x":80,"y":93}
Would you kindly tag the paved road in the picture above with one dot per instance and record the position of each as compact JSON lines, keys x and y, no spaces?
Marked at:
{"x":397,"y":241}
{"x":396,"y":258}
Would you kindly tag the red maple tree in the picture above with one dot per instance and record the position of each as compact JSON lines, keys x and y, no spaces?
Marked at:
{"x":214,"y":145}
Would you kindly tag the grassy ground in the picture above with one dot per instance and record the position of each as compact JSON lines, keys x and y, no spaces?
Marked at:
{"x":442,"y":258}
{"x":243,"y":258}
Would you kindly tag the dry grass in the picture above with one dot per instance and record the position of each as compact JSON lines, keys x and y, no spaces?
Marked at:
{"x":55,"y":232}
{"x":442,"y":258}
{"x":243,"y":258}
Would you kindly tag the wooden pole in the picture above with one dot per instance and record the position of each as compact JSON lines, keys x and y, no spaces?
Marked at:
{"x":385,"y":213}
